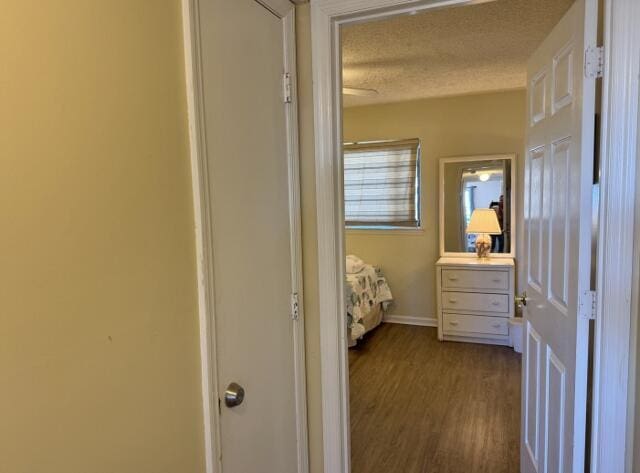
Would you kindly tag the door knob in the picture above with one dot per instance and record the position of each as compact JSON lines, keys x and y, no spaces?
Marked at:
{"x":522,"y":299}
{"x":234,"y":395}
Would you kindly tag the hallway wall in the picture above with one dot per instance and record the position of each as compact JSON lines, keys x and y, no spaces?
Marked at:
{"x":99,"y":355}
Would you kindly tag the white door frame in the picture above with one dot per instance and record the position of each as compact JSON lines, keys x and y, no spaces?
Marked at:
{"x":615,"y":264}
{"x":203,"y":230}
{"x":611,"y":432}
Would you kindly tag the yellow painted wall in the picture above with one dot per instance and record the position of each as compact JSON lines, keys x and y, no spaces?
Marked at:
{"x":99,"y":350}
{"x":453,"y":126}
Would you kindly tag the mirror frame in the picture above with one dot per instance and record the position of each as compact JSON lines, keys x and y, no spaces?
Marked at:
{"x":485,"y":157}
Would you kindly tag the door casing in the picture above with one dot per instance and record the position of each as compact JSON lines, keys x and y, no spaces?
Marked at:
{"x":284,"y":10}
{"x":619,"y":243}
{"x":615,"y":268}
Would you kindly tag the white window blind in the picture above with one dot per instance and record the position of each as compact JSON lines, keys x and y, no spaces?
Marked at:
{"x":381,"y":184}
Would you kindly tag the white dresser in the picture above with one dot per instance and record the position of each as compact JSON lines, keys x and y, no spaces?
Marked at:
{"x":475,"y":299}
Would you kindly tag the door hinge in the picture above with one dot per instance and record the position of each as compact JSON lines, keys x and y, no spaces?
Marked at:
{"x":295,"y":306}
{"x":594,"y":62}
{"x":588,"y":306}
{"x":286,"y":87}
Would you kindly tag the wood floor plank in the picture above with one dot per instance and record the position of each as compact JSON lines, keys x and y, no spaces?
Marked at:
{"x":422,"y":406}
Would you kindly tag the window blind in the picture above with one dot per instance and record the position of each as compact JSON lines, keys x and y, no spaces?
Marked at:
{"x":381,"y":183}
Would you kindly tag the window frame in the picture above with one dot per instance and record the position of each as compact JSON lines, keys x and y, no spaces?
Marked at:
{"x":385,"y":227}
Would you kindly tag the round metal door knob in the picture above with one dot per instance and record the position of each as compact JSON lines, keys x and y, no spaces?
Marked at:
{"x":522,"y":299}
{"x":233,"y":395}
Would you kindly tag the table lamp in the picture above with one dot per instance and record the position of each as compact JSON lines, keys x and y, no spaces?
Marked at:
{"x":484,"y":222}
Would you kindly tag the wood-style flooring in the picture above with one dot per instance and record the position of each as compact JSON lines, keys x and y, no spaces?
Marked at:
{"x":423,"y":406}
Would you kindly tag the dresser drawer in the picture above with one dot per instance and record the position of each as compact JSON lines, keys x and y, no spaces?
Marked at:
{"x":473,"y":301}
{"x":469,"y":279}
{"x":457,"y":323}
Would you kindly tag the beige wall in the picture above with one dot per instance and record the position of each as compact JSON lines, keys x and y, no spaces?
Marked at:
{"x":454,"y":126}
{"x":99,"y":357}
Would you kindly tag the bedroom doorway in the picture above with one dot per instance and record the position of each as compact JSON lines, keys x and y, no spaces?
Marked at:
{"x":434,"y":133}
{"x":434,"y":336}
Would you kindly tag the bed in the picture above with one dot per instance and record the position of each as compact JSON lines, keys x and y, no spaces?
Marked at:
{"x":368,"y":297}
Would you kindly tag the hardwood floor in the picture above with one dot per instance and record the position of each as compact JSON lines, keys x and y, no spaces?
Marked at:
{"x":423,"y":406}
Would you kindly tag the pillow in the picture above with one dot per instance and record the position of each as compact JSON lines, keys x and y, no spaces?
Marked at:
{"x":354,"y":264}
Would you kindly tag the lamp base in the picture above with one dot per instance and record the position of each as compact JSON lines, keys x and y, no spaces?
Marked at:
{"x":483,"y":245}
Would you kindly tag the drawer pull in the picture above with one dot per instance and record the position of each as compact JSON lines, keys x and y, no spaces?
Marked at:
{"x":453,"y":301}
{"x":495,"y":303}
{"x":496,"y":280}
{"x":453,"y":278}
{"x":496,"y":325}
{"x":454,"y":323}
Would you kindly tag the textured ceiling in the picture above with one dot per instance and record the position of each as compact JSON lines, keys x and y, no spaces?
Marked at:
{"x":453,"y":51}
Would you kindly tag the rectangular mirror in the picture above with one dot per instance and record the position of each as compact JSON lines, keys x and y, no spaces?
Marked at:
{"x":476,"y":182}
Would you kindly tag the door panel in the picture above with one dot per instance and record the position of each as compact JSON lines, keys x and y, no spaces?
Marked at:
{"x":536,"y":158}
{"x":555,"y":415}
{"x":558,"y":176}
{"x":531,"y":396}
{"x":246,"y":139}
{"x":559,"y":244}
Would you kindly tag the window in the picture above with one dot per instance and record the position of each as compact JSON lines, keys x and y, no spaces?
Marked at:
{"x":382,"y":184}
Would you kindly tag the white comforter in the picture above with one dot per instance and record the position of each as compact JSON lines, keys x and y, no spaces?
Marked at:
{"x":365,"y":289}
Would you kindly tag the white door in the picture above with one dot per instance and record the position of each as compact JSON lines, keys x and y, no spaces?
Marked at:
{"x":245,"y":116}
{"x":558,"y":178}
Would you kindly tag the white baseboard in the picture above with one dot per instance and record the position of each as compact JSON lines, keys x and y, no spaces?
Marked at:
{"x":411,"y":320}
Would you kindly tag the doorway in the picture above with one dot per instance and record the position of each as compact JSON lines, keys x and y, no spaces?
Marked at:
{"x":434,"y":134}
{"x":328,"y":18}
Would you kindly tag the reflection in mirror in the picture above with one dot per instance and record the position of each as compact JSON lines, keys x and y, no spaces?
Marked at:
{"x":470,"y":185}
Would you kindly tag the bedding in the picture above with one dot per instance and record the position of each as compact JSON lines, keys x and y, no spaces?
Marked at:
{"x":368,"y":296}
{"x":354,"y":264}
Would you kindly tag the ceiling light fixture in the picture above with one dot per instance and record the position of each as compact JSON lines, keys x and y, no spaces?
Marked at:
{"x":484,"y":177}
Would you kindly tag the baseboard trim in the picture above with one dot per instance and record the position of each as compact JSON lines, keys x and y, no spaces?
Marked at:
{"x":411,"y":320}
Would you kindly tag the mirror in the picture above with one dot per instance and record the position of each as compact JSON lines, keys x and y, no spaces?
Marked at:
{"x":476,"y":182}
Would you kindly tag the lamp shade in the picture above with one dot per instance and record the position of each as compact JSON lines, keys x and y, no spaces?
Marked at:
{"x":484,"y":221}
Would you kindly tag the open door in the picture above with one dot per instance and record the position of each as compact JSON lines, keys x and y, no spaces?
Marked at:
{"x":558,"y":178}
